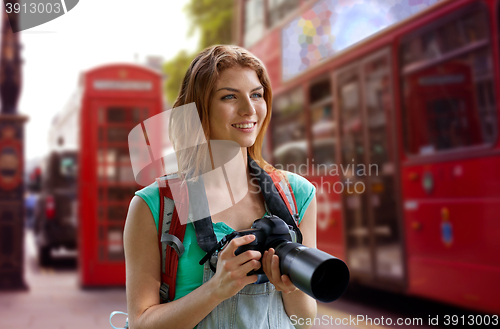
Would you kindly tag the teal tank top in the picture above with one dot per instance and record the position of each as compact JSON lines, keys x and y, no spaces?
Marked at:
{"x":189,"y":272}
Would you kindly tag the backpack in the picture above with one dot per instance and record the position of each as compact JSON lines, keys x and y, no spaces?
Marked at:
{"x":278,"y":196}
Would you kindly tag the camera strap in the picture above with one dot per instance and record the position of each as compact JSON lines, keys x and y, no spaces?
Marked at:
{"x":217,"y":247}
{"x":273,"y":199}
{"x":205,"y":235}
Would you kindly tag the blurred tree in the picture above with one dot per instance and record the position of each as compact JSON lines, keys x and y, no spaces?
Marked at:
{"x":175,"y":69}
{"x":213,"y":19}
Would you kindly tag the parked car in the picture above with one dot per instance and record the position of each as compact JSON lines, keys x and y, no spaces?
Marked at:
{"x":56,"y":209}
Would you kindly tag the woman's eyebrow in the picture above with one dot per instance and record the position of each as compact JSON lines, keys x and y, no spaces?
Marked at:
{"x":236,"y":90}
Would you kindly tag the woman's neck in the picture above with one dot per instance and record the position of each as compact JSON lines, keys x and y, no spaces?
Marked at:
{"x":227,"y":166}
{"x":229,"y":182}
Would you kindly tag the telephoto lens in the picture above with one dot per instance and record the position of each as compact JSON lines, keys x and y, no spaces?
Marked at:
{"x":318,"y":274}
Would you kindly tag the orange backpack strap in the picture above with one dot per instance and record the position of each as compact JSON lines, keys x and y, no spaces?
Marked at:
{"x":285,"y":190}
{"x":170,"y":233}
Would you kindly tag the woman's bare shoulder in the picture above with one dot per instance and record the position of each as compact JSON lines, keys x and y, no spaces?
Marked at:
{"x":139,"y":223}
{"x":138,"y":205}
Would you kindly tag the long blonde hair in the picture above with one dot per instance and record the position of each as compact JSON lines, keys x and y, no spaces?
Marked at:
{"x":198,"y":87}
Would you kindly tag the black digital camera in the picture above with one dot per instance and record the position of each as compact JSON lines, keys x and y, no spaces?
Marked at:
{"x":313,"y":271}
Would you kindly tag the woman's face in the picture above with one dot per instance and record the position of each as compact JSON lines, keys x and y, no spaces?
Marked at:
{"x":237,"y":108}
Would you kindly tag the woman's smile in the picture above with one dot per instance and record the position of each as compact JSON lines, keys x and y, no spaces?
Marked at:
{"x":245,"y":127}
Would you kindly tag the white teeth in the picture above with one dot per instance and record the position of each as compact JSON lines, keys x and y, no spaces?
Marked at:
{"x":246,"y":125}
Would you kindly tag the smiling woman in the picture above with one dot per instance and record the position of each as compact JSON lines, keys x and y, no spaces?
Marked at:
{"x":233,"y":97}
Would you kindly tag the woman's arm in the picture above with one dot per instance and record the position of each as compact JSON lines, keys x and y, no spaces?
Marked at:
{"x":142,"y":257}
{"x":296,"y":302}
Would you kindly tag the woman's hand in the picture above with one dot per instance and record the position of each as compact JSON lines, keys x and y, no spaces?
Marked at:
{"x":231,"y":275}
{"x":271,"y":267}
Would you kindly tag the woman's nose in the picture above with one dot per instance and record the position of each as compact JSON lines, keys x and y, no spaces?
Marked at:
{"x":247,"y":108}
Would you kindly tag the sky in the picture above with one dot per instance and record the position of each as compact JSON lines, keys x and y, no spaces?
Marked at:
{"x":93,"y":33}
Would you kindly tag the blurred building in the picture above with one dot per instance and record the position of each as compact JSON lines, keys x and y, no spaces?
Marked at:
{"x":11,"y":158}
{"x":64,"y":132}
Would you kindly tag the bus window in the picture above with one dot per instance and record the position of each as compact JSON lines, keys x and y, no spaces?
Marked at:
{"x":431,"y":46}
{"x":381,"y":164}
{"x":323,"y":125}
{"x":353,"y":152}
{"x":352,"y":141}
{"x":451,"y":38}
{"x":289,"y":131}
{"x":412,"y":51}
{"x":279,"y":9}
{"x":372,"y":226}
{"x":68,"y":167}
{"x":60,"y":170}
{"x":448,"y":99}
{"x":475,"y":26}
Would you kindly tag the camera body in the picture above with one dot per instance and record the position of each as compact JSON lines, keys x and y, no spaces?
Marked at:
{"x":269,"y":232}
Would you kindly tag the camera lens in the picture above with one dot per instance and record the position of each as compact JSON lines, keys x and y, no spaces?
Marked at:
{"x":313,"y":271}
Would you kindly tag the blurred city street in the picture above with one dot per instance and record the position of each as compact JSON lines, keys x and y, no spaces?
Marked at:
{"x":54,"y":299}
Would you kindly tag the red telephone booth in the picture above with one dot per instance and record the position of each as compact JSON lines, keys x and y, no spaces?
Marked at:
{"x":116,"y":98}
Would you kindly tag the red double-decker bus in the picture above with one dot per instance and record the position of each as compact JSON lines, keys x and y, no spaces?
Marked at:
{"x":390,"y":109}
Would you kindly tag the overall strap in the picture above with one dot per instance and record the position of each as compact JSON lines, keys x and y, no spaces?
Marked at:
{"x":170,"y":232}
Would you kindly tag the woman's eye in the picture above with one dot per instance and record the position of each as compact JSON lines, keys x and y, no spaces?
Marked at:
{"x":228,"y":97}
{"x":257,"y":95}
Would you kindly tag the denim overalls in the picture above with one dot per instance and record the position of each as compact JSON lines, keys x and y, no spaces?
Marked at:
{"x":257,"y":306}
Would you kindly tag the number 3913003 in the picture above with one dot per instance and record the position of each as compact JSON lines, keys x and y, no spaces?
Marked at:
{"x":471,"y":320}
{"x":33,"y":8}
